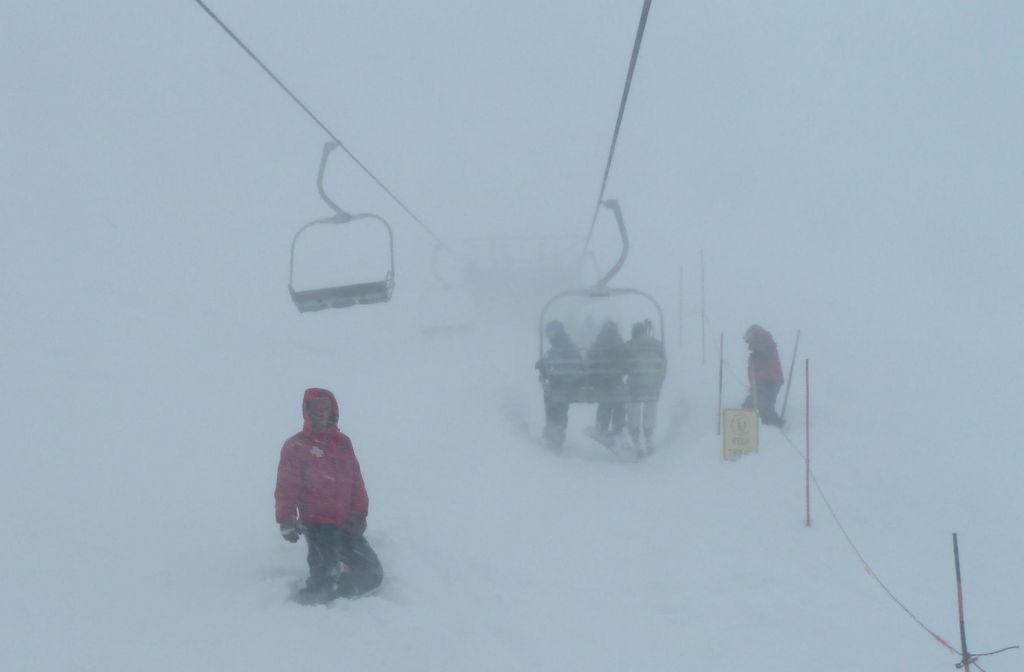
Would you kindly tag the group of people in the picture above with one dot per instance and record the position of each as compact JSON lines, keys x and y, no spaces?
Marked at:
{"x":320,"y":492}
{"x":624,"y":378}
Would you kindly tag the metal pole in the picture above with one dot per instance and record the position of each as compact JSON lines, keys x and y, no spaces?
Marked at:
{"x":966,"y":657}
{"x":785,"y":399}
{"x":680,"y":335}
{"x":807,"y":439}
{"x":721,"y":358}
{"x":702,"y":313}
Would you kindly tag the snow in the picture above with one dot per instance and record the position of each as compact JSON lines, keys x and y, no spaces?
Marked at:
{"x":851,"y":171}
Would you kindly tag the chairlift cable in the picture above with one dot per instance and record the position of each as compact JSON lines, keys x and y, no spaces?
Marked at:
{"x":618,"y":121}
{"x":319,"y":123}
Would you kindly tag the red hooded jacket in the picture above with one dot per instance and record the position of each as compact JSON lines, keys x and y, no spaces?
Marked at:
{"x":763,"y":366}
{"x":318,"y":476}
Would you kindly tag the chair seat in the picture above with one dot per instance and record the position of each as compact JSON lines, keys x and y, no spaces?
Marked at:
{"x":590,"y":394}
{"x":309,"y":300}
{"x":587,"y":394}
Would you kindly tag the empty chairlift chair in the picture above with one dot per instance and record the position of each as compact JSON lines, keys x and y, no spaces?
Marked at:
{"x":341,"y":296}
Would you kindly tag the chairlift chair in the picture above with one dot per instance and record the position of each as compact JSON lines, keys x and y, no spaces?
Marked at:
{"x":587,"y":392}
{"x":341,"y":296}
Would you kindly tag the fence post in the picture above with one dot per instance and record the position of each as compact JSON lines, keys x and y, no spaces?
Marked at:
{"x":966,"y":657}
{"x":721,"y":357}
{"x":703,"y":319}
{"x":807,"y":440}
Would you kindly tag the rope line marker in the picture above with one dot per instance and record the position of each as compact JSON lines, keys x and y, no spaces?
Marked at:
{"x":867,"y":567}
{"x":966,"y":659}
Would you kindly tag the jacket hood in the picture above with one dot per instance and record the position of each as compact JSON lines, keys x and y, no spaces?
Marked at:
{"x":557,"y":335}
{"x":318,"y":393}
{"x":609,"y":334}
{"x":757,"y":336}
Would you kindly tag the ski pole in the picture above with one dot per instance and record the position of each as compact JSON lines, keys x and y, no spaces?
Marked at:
{"x":785,"y":399}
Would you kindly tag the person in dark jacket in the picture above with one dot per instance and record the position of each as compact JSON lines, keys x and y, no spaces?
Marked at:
{"x":764,"y":370}
{"x":320,"y":494}
{"x":561,"y":370}
{"x":644,"y":377}
{"x":606,"y":366}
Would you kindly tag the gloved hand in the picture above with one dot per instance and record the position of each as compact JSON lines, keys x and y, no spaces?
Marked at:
{"x":290,"y":531}
{"x":356,"y":525}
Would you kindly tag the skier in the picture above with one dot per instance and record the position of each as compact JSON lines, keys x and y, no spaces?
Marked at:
{"x":320,"y":494}
{"x":606,"y":365}
{"x":764,"y":370}
{"x":561,"y":370}
{"x":644,"y":377}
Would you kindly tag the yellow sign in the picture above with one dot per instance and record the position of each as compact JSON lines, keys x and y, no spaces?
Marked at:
{"x":739,"y":432}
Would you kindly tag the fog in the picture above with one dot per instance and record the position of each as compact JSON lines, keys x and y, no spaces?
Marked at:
{"x":849,"y":170}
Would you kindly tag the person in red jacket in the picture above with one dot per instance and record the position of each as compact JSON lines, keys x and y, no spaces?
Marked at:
{"x":320,"y":493}
{"x":765,"y":374}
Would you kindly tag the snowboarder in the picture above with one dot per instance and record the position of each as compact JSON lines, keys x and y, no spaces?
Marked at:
{"x":606,"y":366}
{"x":644,"y":377}
{"x":320,"y":494}
{"x":764,"y":370}
{"x":561,"y":370}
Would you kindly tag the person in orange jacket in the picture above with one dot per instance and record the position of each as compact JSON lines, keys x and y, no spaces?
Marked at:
{"x":764,"y":370}
{"x":320,"y":494}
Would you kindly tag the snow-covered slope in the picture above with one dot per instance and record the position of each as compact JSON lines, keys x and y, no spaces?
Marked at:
{"x":152,"y":363}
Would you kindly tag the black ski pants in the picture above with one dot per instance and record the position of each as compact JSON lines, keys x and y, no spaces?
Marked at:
{"x":556,"y":420}
{"x":340,"y":563}
{"x":767,"y":393}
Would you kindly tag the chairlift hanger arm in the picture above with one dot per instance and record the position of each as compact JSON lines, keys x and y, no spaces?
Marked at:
{"x":341,"y":215}
{"x":613,"y":205}
{"x":622,"y":109}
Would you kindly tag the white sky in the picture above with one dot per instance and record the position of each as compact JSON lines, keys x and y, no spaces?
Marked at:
{"x":852,"y":170}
